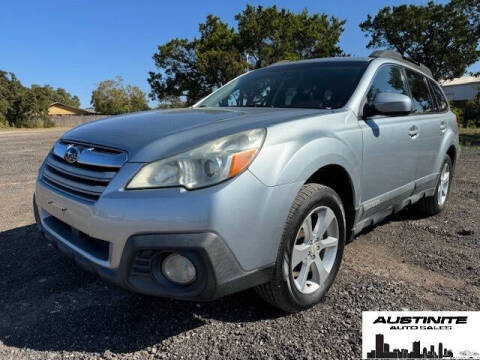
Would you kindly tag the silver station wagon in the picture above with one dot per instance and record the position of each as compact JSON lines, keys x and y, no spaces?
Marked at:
{"x":261,"y":184}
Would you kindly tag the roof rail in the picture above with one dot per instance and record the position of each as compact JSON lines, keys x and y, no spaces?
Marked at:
{"x":397,"y":56}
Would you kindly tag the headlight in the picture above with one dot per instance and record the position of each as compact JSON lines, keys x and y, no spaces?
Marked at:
{"x":206,"y":165}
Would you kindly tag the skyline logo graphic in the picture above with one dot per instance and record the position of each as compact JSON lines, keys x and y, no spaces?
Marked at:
{"x":420,"y":335}
{"x":382,"y":351}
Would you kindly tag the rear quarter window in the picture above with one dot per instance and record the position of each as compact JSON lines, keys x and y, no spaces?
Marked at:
{"x":437,"y":93}
{"x":421,"y":97}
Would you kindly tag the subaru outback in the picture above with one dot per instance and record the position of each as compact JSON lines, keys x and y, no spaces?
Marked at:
{"x":261,"y":184}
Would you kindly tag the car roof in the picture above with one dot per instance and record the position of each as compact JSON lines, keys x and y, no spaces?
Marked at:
{"x":378,"y":57}
{"x":321,"y":60}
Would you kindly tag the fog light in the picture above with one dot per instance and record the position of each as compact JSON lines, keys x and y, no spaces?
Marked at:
{"x":178,"y":269}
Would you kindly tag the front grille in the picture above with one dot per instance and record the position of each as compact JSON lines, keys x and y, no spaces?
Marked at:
{"x":88,"y":175}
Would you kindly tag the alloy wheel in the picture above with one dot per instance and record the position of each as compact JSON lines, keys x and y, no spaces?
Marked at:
{"x":444,"y":185}
{"x":314,"y":250}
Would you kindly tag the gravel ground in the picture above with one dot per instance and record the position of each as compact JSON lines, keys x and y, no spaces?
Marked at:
{"x":50,"y":309}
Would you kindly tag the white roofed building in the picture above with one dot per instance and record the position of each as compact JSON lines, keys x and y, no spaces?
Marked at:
{"x":461,"y":89}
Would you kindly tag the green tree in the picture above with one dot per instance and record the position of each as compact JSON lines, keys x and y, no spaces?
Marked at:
{"x":16,"y":101}
{"x":268,"y":35}
{"x":113,"y":97}
{"x":5,"y":100}
{"x":443,"y":37}
{"x":41,"y":97}
{"x":62,"y":96}
{"x":190,"y":70}
{"x":28,"y":107}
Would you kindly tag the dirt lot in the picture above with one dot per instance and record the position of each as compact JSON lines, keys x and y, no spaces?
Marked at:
{"x":51,"y":309}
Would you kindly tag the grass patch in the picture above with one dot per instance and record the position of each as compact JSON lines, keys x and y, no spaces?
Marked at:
{"x":470,"y":136}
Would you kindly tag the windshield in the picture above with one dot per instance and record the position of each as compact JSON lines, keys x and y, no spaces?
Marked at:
{"x":317,"y":85}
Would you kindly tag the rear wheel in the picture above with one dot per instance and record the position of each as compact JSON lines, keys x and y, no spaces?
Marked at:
{"x":435,"y":204}
{"x":310,"y":252}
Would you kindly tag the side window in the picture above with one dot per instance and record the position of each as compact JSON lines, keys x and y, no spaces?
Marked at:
{"x":421,"y":99}
{"x":388,"y":79}
{"x":439,"y":97}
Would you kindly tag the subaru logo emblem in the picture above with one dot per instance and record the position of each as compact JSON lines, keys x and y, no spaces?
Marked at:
{"x":71,"y":154}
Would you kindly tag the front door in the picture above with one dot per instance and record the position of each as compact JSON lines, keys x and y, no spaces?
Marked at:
{"x":390,"y":147}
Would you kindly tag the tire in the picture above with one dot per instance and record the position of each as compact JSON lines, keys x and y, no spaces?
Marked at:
{"x":295,"y":285}
{"x":435,"y":204}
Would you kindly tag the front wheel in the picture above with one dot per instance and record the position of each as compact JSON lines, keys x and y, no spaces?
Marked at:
{"x":310,"y":251}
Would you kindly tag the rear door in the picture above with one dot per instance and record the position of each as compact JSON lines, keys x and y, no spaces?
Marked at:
{"x":389,"y":155}
{"x":431,"y":125}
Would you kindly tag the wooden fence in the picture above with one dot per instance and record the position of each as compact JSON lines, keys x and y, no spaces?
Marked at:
{"x":74,"y":120}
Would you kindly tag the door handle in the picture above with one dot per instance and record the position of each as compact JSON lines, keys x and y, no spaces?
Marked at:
{"x":413,"y":131}
{"x":443,"y":126}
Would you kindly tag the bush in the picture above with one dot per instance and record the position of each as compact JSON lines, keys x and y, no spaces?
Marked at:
{"x":472,"y":112}
{"x":459,"y":114}
{"x":36,"y":122}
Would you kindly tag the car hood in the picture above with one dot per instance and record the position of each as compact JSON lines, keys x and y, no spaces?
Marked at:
{"x":152,"y":135}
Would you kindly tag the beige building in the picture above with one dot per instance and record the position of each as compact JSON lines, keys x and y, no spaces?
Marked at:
{"x":62,"y":109}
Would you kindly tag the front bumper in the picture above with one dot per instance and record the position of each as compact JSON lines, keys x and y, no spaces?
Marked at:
{"x":231,"y":231}
{"x":218,"y":271}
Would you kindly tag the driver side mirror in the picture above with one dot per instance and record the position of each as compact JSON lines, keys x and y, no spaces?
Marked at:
{"x":392,"y":103}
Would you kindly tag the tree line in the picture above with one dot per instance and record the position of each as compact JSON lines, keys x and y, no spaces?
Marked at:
{"x":444,"y":37}
{"x":191,"y":69}
{"x":22,"y":106}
